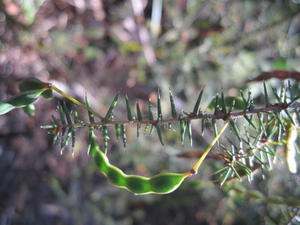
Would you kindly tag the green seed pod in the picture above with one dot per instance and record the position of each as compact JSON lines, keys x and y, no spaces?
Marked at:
{"x":116,"y":176}
{"x":138,"y":184}
{"x":162,"y":183}
{"x":166,"y":182}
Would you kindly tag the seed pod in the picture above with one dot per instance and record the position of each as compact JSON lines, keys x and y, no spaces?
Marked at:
{"x":174,"y":113}
{"x":162,"y":183}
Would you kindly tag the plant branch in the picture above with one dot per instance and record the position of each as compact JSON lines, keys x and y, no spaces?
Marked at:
{"x":273,"y":108}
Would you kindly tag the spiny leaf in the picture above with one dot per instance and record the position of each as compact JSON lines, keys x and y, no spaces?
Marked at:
{"x":91,"y":116}
{"x":276,"y":95}
{"x":129,"y":114}
{"x":189,"y":129}
{"x":65,"y":138}
{"x":214,"y":126}
{"x":224,"y":103}
{"x":105,"y":138}
{"x":92,"y":120}
{"x":182,"y":125}
{"x":290,"y":88}
{"x":235,"y":129}
{"x":173,"y":108}
{"x":249,"y":120}
{"x":277,"y":117}
{"x":261,"y":123}
{"x":61,"y":113}
{"x":118,"y":130}
{"x":69,"y":120}
{"x":159,"y":134}
{"x":140,"y":118}
{"x":266,"y":95}
{"x":139,"y":114}
{"x":159,"y":111}
{"x":124,"y":137}
{"x":227,"y":175}
{"x":55,"y":130}
{"x":250,"y":103}
{"x":289,"y":116}
{"x":283,"y":94}
{"x":204,"y":124}
{"x":112,"y":106}
{"x":66,"y":111}
{"x":216,"y":104}
{"x":235,"y":172}
{"x":197,"y":105}
{"x":150,"y":114}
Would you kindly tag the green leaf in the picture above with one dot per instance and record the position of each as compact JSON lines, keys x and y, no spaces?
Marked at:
{"x":159,"y":111}
{"x":140,"y":118}
{"x":224,"y":104}
{"x":129,"y":114}
{"x":189,"y":131}
{"x":105,"y":138}
{"x":182,"y":125}
{"x":159,"y":134}
{"x":19,"y":101}
{"x":112,"y":106}
{"x":266,"y":95}
{"x":124,"y":137}
{"x":249,"y":121}
{"x":150,"y":114}
{"x":118,"y":130}
{"x":173,"y":108}
{"x":235,"y":129}
{"x":138,"y":111}
{"x":32,"y":84}
{"x":197,"y":105}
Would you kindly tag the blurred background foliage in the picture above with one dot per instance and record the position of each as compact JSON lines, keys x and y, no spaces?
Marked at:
{"x":101,"y":47}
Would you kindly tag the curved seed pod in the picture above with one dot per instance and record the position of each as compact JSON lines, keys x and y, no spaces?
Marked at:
{"x":138,"y":184}
{"x":162,"y":183}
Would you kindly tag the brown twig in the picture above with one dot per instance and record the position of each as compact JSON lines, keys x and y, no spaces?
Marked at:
{"x":273,"y":108}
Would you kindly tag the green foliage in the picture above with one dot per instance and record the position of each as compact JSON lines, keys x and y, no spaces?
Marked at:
{"x":274,"y":124}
